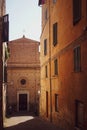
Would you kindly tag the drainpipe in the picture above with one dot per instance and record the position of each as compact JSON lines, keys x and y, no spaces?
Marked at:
{"x":1,"y":78}
{"x":50,"y":65}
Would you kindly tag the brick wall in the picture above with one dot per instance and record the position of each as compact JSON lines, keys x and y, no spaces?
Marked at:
{"x":23,"y":63}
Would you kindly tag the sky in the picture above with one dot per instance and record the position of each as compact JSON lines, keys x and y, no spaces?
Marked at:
{"x":24,"y":19}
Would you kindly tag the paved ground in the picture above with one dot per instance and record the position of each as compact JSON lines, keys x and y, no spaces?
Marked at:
{"x":27,"y":122}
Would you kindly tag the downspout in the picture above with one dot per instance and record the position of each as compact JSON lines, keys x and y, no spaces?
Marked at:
{"x":50,"y":65}
{"x":86,"y":14}
{"x":1,"y":76}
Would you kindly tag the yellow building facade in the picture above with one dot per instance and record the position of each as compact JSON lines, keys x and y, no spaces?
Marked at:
{"x":63,"y":60}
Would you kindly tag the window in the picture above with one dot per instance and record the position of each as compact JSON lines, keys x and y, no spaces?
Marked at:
{"x":54,"y":1}
{"x":56,"y":102}
{"x":77,"y":59}
{"x":56,"y":67}
{"x":46,"y":103}
{"x":79,"y":113}
{"x":54,"y":34}
{"x":46,"y":14}
{"x":5,"y":30}
{"x":5,"y":73}
{"x":45,"y":47}
{"x":23,"y":81}
{"x":41,"y":2}
{"x":76,"y":11}
{"x":46,"y":72}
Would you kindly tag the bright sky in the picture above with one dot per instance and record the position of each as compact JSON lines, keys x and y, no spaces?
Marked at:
{"x":24,"y":19}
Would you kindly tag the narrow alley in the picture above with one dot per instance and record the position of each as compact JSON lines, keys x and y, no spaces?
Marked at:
{"x":27,"y":122}
{"x":43,"y":64}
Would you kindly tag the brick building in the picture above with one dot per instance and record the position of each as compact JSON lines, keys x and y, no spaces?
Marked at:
{"x":23,"y":75}
{"x":63,"y":54}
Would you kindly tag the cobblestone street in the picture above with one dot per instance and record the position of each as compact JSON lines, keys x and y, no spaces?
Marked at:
{"x":27,"y":122}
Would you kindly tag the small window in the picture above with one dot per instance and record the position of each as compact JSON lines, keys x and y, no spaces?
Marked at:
{"x":54,"y":1}
{"x":56,"y":67}
{"x":41,"y":2}
{"x":46,"y":71}
{"x":79,"y":114}
{"x":46,"y":14}
{"x":47,"y":105}
{"x":5,"y":29}
{"x":23,"y":81}
{"x":77,"y":59}
{"x":5,"y":73}
{"x":54,"y":34}
{"x":56,"y":102}
{"x":76,"y":11}
{"x":45,"y":47}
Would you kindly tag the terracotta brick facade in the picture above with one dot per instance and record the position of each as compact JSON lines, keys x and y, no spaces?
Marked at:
{"x":23,"y":74}
{"x":63,"y":92}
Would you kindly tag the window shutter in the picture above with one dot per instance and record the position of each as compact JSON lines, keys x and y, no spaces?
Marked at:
{"x":77,"y":59}
{"x":56,"y":67}
{"x":54,"y":1}
{"x":45,"y":46}
{"x":79,"y":114}
{"x":5,"y":32}
{"x":46,"y":11}
{"x":56,"y":102}
{"x":76,"y":11}
{"x":54,"y":34}
{"x":46,"y":74}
